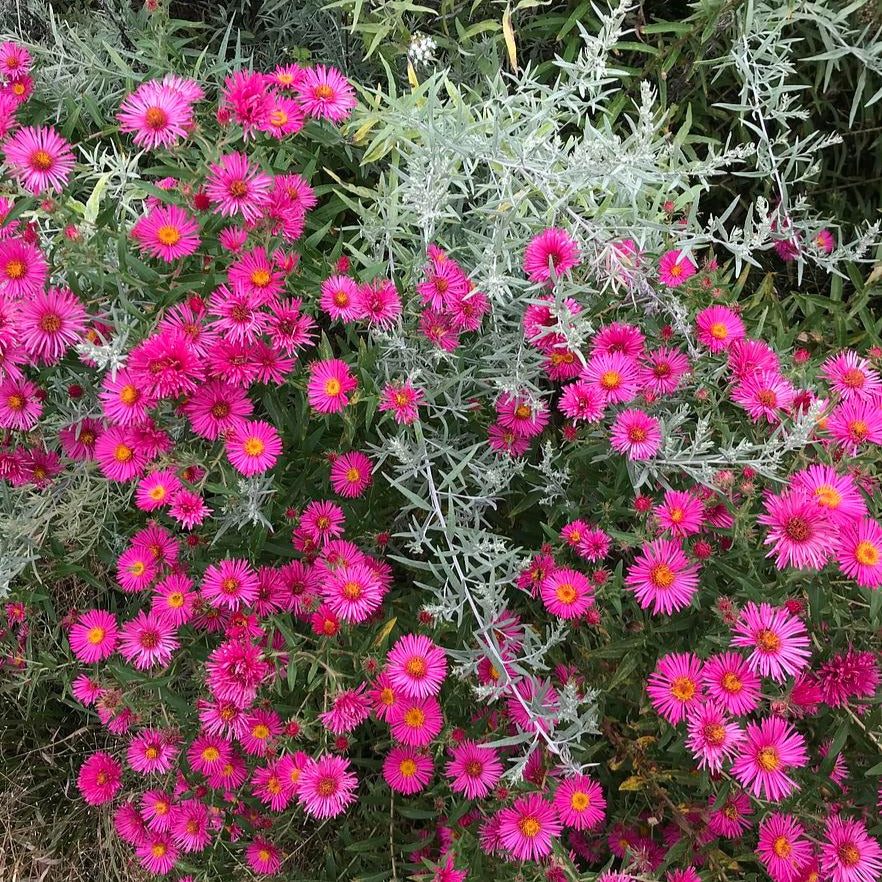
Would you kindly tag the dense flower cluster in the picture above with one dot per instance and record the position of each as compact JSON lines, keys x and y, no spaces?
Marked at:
{"x":191,"y":662}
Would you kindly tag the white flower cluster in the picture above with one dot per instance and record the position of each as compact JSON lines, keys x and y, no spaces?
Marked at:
{"x":421,"y":50}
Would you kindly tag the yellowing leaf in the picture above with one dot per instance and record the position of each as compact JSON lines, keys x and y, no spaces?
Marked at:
{"x":635,"y":782}
{"x":385,"y":631}
{"x":412,"y":77}
{"x":363,"y":129}
{"x":508,"y":34}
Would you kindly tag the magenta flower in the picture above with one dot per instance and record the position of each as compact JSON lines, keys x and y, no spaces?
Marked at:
{"x":580,"y":803}
{"x":567,"y":593}
{"x":39,"y":158}
{"x":158,"y":115}
{"x":712,"y":736}
{"x":474,"y":770}
{"x":674,"y":268}
{"x":407,"y":770}
{"x":859,"y":552}
{"x":94,"y":636}
{"x":326,"y":787}
{"x":167,"y":232}
{"x":325,"y":93}
{"x":801,"y":534}
{"x":99,"y":778}
{"x":416,"y":666}
{"x":849,"y":853}
{"x":729,"y":681}
{"x":636,"y":434}
{"x":782,"y":847}
{"x":551,"y":251}
{"x":329,"y":385}
{"x":351,"y":474}
{"x":662,"y":578}
{"x":769,"y":750}
{"x":779,"y":640}
{"x":253,"y":447}
{"x":718,"y":328}
{"x":528,"y":827}
{"x":675,"y":686}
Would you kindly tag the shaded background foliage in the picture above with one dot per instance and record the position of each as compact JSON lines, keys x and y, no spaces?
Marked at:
{"x":102,"y":47}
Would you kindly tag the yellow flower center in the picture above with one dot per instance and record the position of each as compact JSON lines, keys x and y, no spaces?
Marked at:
{"x":408,"y":768}
{"x":260,"y":278}
{"x":781,"y":846}
{"x":15,"y":269}
{"x":661,"y":575}
{"x":566,"y":593}
{"x":768,"y":759}
{"x":332,"y":387}
{"x":866,"y":554}
{"x":123,"y":453}
{"x":414,"y":718}
{"x":51,"y":323}
{"x":168,"y":235}
{"x":683,"y":688}
{"x":719,"y":331}
{"x":529,"y":826}
{"x":579,"y":801}
{"x":175,"y":600}
{"x":155,"y":118}
{"x":95,"y":635}
{"x":41,"y":160}
{"x":253,"y":447}
{"x":827,"y":496}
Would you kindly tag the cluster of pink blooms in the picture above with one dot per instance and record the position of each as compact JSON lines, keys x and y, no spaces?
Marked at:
{"x":720,"y":702}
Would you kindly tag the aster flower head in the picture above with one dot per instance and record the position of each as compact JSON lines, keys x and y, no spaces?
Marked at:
{"x":237,"y":187}
{"x":783,"y":848}
{"x":263,"y":857}
{"x":582,"y":401}
{"x":764,"y":395}
{"x":353,"y":592}
{"x":407,"y":770}
{"x":474,"y":769}
{"x":859,"y":552}
{"x":675,"y":686}
{"x":94,"y":636}
{"x":718,"y":328}
{"x":580,"y":802}
{"x":636,"y":434}
{"x":416,"y":666}
{"x":778,"y":640}
{"x":680,"y":513}
{"x":253,"y":447}
{"x":849,"y":853}
{"x":527,"y":829}
{"x":339,"y":295}
{"x":99,"y":778}
{"x":662,"y":578}
{"x":855,"y":423}
{"x":567,"y":593}
{"x":729,"y":681}
{"x":230,"y":584}
{"x":326,"y":787}
{"x":39,"y":158}
{"x":614,"y":374}
{"x":147,"y":640}
{"x":351,"y":474}
{"x":329,"y":385}
{"x":325,"y":93}
{"x":837,"y":494}
{"x":23,"y":272}
{"x":675,"y":267}
{"x":167,"y":232}
{"x":551,"y":251}
{"x":712,"y":735}
{"x":851,"y":376}
{"x":846,"y":676}
{"x":801,"y":534}
{"x":768,"y":751}
{"x":662,"y":369}
{"x":732,"y":818}
{"x":415,"y":722}
{"x":350,"y":709}
{"x":401,"y":400}
{"x":157,"y":114}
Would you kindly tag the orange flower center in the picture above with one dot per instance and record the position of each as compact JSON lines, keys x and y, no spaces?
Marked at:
{"x":866,"y":554}
{"x":260,"y":278}
{"x":211,"y":754}
{"x":253,"y":446}
{"x":16,"y":401}
{"x":848,"y":853}
{"x":323,"y":92}
{"x":827,"y":496}
{"x":566,"y":593}
{"x":781,"y":846}
{"x":155,"y":118}
{"x":51,"y":323}
{"x":731,"y":682}
{"x":332,"y":387}
{"x":351,"y":590}
{"x":168,"y":235}
{"x":529,"y":826}
{"x":416,"y":666}
{"x":414,"y":718}
{"x":661,"y":575}
{"x":610,"y":380}
{"x":768,"y":759}
{"x":326,"y":786}
{"x":408,"y":768}
{"x":95,"y":635}
{"x":15,"y":269}
{"x":579,"y":801}
{"x":683,"y":688}
{"x":175,"y":600}
{"x":129,"y":394}
{"x":714,"y":734}
{"x":41,"y":160}
{"x":854,"y":378}
{"x":719,"y":331}
{"x":261,"y":732}
{"x":768,"y":641}
{"x":123,"y":453}
{"x":522,"y":412}
{"x":238,"y":189}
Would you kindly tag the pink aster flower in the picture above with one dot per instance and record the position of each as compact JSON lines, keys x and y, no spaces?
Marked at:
{"x":401,"y":399}
{"x":674,"y":268}
{"x":230,"y":584}
{"x":49,"y":322}
{"x":729,"y":681}
{"x":416,"y":666}
{"x":747,"y":356}
{"x":325,"y":93}
{"x":582,"y":401}
{"x":157,"y":853}
{"x":254,"y":274}
{"x":415,"y":721}
{"x":474,"y":769}
{"x":675,"y":687}
{"x":246,"y":98}
{"x":551,"y":251}
{"x":14,"y":59}
{"x":147,"y":640}
{"x":253,"y":446}
{"x":23,"y":270}
{"x":730,"y":819}
{"x":778,"y":639}
{"x":99,"y":778}
{"x":522,"y":418}
{"x":156,"y":490}
{"x":119,"y":454}
{"x":764,"y":394}
{"x":94,"y":636}
{"x":662,"y":578}
{"x":528,"y":828}
{"x":859,"y":552}
{"x":636,"y":434}
{"x":836,"y":494}
{"x":855,"y":423}
{"x":351,"y":474}
{"x":259,"y":730}
{"x":322,"y":521}
{"x":188,"y":508}
{"x":263,"y":857}
{"x":801,"y":534}
{"x":378,"y":303}
{"x":718,"y":328}
{"x":135,"y":570}
{"x":174,"y":601}
{"x":216,"y":407}
{"x":848,"y":675}
{"x":567,"y":593}
{"x":851,"y":376}
{"x":237,"y":187}
{"x":151,"y":750}
{"x":39,"y":158}
{"x":350,"y":709}
{"x":407,"y":770}
{"x":782,"y":847}
{"x":614,"y":374}
{"x":580,"y":803}
{"x":166,"y":365}
{"x":329,"y":384}
{"x":159,"y":116}
{"x":662,"y":369}
{"x":353,"y":592}
{"x":191,"y":826}
{"x":326,"y":787}
{"x":679,"y":513}
{"x":712,"y":735}
{"x":849,"y":853}
{"x":338,"y":298}
{"x":769,"y":749}
{"x":167,"y":232}
{"x":505,"y":440}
